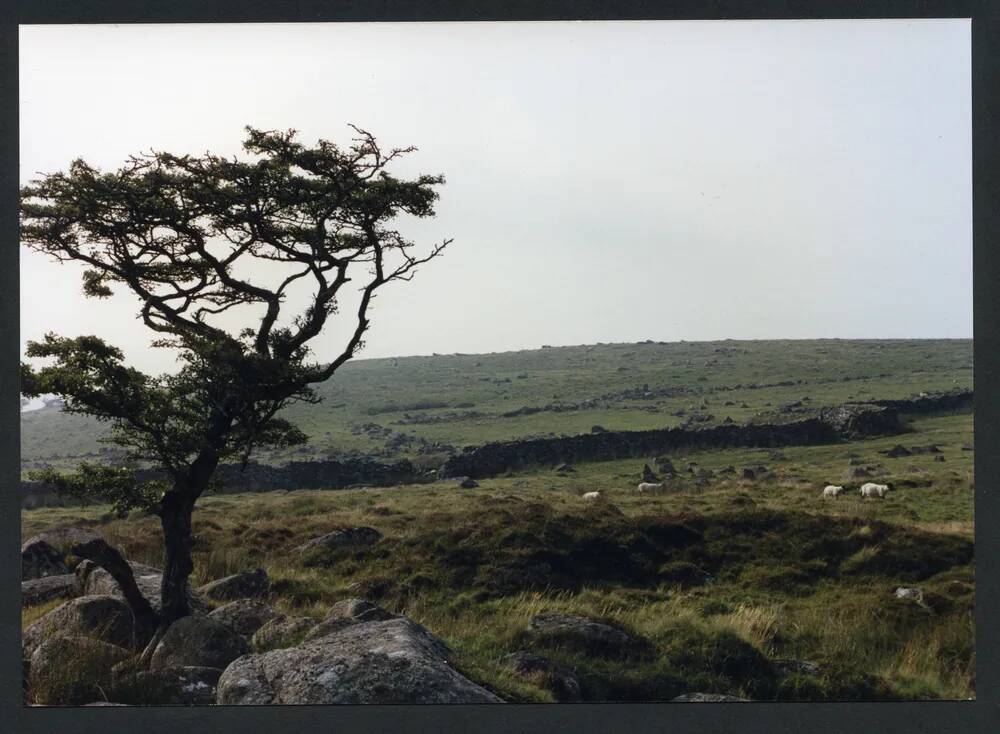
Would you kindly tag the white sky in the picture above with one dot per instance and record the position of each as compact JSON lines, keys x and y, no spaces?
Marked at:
{"x":610,"y":181}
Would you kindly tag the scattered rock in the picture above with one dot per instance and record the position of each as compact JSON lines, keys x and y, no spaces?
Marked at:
{"x":103,"y":618}
{"x":347,"y":538}
{"x":245,"y":616}
{"x":183,"y":686}
{"x":665,"y":466}
{"x":345,"y":613}
{"x":198,"y":641}
{"x":37,"y":590}
{"x":469,"y":484}
{"x":749,"y":473}
{"x":707,"y":698}
{"x":790,"y":666}
{"x":105,"y":703}
{"x":561,"y":681}
{"x":598,"y":429}
{"x":914,"y":593}
{"x":648,"y":475}
{"x":360,"y":610}
{"x":381,"y":662}
{"x":565,"y":469}
{"x":897,"y":451}
{"x":582,"y":633}
{"x":40,"y":559}
{"x":939,"y":457}
{"x":281,"y":632}
{"x":245,"y":585}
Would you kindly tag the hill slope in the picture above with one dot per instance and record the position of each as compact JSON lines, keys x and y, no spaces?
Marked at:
{"x":413,"y":406}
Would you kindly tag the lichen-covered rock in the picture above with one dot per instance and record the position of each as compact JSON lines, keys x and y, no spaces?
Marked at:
{"x":281,"y":632}
{"x":184,"y":686}
{"x":104,"y":618}
{"x":92,"y":579}
{"x":198,"y":641}
{"x":40,"y":559}
{"x":38,"y":590}
{"x":346,"y":612}
{"x":347,"y":538}
{"x":360,"y":610}
{"x":244,"y":585}
{"x":707,"y":698}
{"x":581,"y":633}
{"x":245,"y":616}
{"x":380,"y":662}
{"x":791,"y":666}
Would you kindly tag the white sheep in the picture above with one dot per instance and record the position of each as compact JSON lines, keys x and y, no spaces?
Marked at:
{"x":649,"y":487}
{"x":591,"y":495}
{"x":831,"y":490}
{"x":870,"y":489}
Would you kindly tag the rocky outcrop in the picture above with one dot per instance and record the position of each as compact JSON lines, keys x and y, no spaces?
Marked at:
{"x":244,"y":616}
{"x":184,"y":686}
{"x":347,"y":538}
{"x":39,"y":559}
{"x":36,"y":591}
{"x":281,"y":632}
{"x":708,"y":698}
{"x":345,"y":613}
{"x":380,"y":662}
{"x":103,"y":618}
{"x":860,"y":420}
{"x":792,"y":666}
{"x":244,"y":585}
{"x":581,"y":633}
{"x":198,"y":641}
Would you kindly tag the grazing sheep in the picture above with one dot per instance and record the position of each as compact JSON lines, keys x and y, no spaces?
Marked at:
{"x":591,"y":495}
{"x":649,"y":487}
{"x":870,"y":489}
{"x":831,"y":490}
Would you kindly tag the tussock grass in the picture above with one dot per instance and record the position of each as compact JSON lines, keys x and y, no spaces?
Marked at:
{"x":749,"y":570}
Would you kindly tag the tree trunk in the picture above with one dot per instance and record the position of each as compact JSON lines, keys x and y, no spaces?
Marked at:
{"x":175,"y":518}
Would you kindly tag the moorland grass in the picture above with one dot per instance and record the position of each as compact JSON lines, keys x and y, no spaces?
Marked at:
{"x":719,"y":580}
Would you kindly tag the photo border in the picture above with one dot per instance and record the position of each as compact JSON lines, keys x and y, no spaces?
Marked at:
{"x":635,"y":718}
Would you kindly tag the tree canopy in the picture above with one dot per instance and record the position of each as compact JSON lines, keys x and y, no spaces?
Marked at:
{"x":191,"y":236}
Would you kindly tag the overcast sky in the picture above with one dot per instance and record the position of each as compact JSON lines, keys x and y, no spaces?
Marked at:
{"x":605,"y":181}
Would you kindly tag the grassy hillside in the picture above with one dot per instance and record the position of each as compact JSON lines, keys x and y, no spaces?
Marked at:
{"x":421,"y":406}
{"x":719,"y":579}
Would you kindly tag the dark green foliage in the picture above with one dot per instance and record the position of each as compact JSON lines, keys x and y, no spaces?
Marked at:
{"x":116,"y":486}
{"x":314,"y":215}
{"x":179,"y":232}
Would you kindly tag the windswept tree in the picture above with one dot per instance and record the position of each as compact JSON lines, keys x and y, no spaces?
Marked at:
{"x":194,"y":237}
